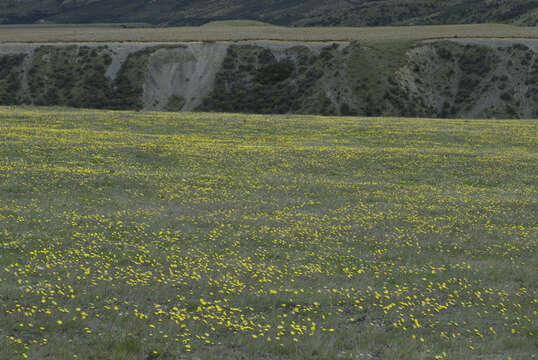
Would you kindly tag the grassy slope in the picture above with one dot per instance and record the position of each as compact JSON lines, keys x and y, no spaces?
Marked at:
{"x":152,"y":235}
{"x":282,"y":12}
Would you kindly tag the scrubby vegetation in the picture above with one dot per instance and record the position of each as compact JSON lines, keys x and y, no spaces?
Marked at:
{"x":71,"y":75}
{"x":130,"y":80}
{"x":75,"y":76}
{"x":175,"y":103}
{"x":379,"y":78}
{"x":252,"y":79}
{"x":11,"y":79}
{"x":469,"y":79}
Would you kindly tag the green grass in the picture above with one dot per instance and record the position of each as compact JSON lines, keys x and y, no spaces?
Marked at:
{"x":129,"y":235}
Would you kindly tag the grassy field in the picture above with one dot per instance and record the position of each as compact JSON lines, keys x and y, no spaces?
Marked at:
{"x":130,"y":235}
{"x":243,"y":31}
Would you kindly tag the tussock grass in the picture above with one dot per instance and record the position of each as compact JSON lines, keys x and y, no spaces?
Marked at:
{"x":237,"y":23}
{"x":83,"y":33}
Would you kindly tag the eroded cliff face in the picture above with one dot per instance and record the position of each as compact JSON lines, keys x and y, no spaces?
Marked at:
{"x":472,"y":79}
{"x":457,"y":78}
{"x":180,"y":78}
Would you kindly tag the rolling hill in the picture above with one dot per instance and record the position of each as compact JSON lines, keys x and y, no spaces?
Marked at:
{"x":279,"y":12}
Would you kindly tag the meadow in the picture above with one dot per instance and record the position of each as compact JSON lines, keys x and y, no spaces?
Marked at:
{"x":139,"y":235}
{"x":244,"y":31}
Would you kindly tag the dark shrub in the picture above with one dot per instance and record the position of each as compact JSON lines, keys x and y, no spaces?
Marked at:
{"x":275,"y":73}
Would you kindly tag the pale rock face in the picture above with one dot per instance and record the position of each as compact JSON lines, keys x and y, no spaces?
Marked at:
{"x":186,"y":72}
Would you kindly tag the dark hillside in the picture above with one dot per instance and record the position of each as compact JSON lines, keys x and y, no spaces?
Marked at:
{"x":279,"y":12}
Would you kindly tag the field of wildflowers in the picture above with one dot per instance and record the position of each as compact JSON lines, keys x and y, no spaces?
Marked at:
{"x":130,"y":235}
